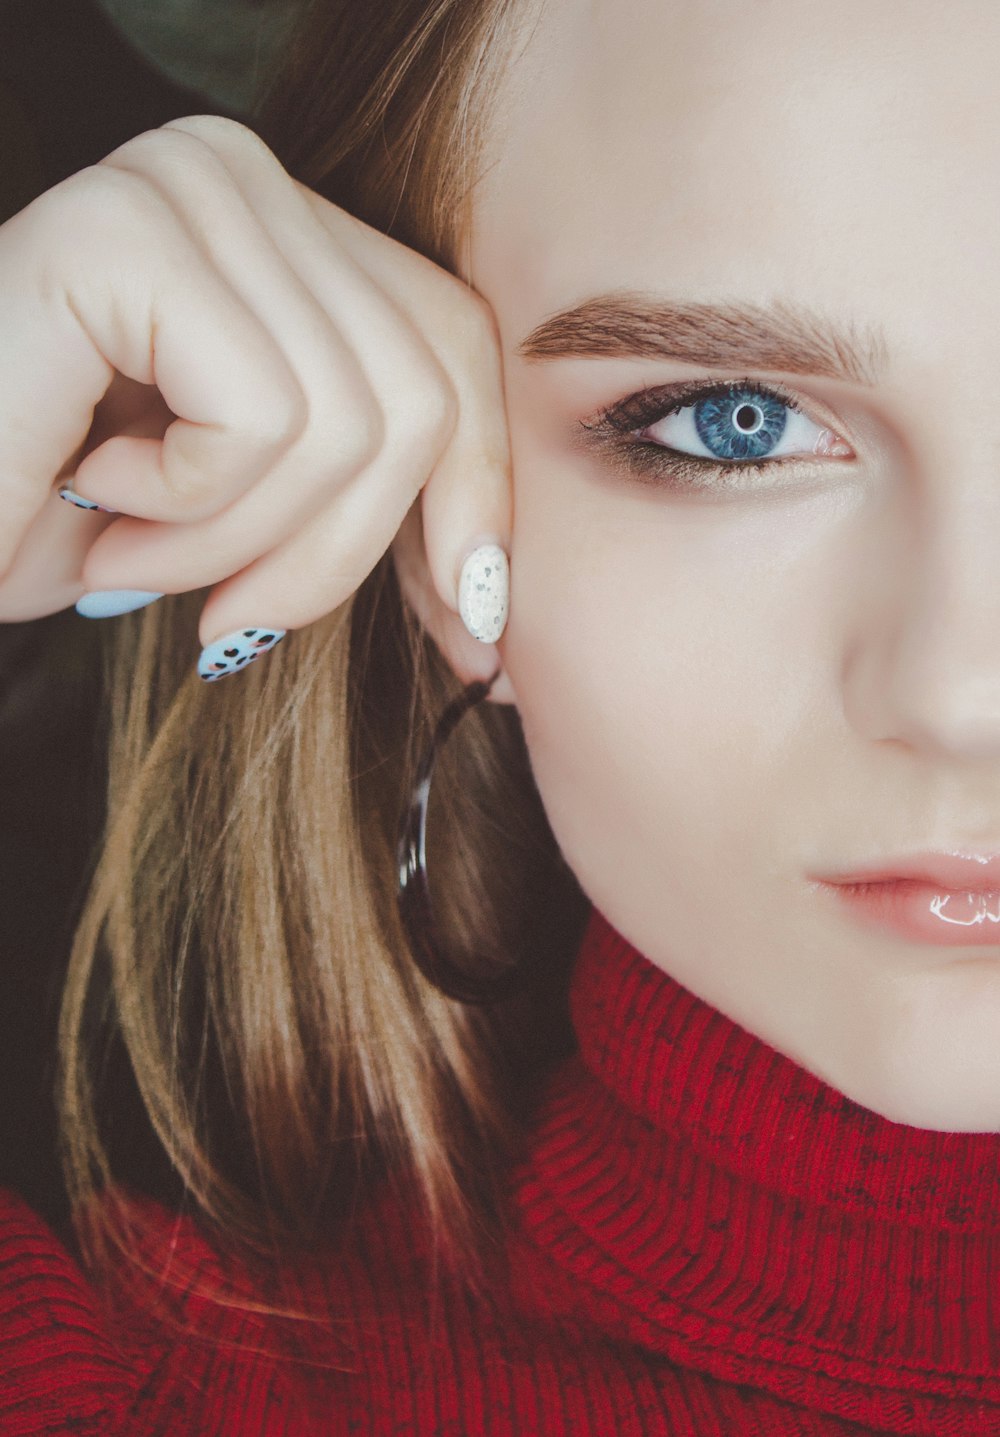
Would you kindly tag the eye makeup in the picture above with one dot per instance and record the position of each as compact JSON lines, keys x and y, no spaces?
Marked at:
{"x":617,"y":433}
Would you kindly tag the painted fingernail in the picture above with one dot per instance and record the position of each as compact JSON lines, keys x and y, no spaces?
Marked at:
{"x":484,"y":592}
{"x":109,"y":603}
{"x":233,"y":652}
{"x":81,"y":503}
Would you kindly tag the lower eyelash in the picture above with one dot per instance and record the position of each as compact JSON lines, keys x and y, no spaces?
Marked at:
{"x":655,"y":464}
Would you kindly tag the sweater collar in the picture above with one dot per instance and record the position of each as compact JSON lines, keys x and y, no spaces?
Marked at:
{"x":697,"y":1076}
{"x":732,"y":1211}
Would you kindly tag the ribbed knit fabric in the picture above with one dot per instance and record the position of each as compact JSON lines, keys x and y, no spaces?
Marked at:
{"x":711,"y":1242}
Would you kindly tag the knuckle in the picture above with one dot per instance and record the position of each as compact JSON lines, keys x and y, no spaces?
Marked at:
{"x":87,"y":226}
{"x":164,"y":152}
{"x":284,"y":419}
{"x":361,"y":441}
{"x":221,"y":134}
{"x":274,"y":414}
{"x":345,"y":445}
{"x":433,"y":410}
{"x":190,"y":486}
{"x":113,"y":197}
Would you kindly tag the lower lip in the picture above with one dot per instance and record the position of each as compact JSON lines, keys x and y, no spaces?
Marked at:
{"x":926,"y":913}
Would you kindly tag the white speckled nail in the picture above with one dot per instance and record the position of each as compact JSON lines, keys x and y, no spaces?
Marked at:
{"x":484,"y":592}
{"x":109,"y":603}
{"x":235,"y":651}
{"x":81,"y":503}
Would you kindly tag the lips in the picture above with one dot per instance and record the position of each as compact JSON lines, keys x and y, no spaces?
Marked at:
{"x":952,"y":871}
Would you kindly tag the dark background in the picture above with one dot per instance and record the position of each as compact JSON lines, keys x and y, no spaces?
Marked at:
{"x":77,"y":79}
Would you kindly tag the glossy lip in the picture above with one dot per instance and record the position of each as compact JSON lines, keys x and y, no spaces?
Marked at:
{"x":953,"y":870}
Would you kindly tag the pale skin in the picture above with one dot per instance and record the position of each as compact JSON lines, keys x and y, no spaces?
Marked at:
{"x":723,"y":697}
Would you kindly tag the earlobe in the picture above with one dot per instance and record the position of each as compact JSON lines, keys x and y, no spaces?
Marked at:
{"x":485,"y":608}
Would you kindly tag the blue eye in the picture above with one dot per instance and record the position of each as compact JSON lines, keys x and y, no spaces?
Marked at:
{"x":715,"y":436}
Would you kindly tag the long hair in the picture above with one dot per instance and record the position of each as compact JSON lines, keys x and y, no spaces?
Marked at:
{"x":243,"y":1034}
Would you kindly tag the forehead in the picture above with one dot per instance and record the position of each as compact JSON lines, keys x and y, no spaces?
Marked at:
{"x":753,"y":149}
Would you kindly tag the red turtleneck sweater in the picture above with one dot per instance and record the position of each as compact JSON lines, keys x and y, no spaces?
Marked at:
{"x":711,"y":1241}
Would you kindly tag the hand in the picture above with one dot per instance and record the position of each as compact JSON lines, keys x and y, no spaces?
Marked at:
{"x":259,"y":384}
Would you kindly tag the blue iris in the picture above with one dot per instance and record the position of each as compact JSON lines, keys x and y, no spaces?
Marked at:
{"x":740,"y":423}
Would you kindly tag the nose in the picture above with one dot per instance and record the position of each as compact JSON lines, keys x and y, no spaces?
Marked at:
{"x":928,"y":670}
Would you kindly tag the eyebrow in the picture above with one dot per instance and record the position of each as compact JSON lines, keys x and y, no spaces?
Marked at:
{"x":782,"y":335}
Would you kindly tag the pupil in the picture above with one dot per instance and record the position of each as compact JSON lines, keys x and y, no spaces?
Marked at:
{"x":746,"y":416}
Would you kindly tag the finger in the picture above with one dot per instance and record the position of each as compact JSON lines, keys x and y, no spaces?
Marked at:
{"x":395,"y":355}
{"x":319,"y":567}
{"x":174,"y":558}
{"x":131,"y":293}
{"x":468,"y":499}
{"x":45,"y":354}
{"x":334,"y":420}
{"x":412,"y":392}
{"x":45,"y":574}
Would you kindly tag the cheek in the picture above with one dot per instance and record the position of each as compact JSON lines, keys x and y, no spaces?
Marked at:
{"x":615,"y":669}
{"x":652,"y":679}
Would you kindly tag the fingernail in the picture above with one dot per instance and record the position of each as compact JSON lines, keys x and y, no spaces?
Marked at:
{"x":81,"y":503}
{"x":484,"y":592}
{"x":109,"y":603}
{"x":234,"y":651}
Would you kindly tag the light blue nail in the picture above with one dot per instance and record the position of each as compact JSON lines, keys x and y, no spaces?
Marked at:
{"x":109,"y":603}
{"x":236,"y":650}
{"x":81,"y":503}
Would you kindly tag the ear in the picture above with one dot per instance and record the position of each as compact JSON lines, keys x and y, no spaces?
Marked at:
{"x":470,"y":658}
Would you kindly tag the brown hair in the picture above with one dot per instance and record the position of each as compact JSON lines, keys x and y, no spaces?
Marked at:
{"x":240,"y":1003}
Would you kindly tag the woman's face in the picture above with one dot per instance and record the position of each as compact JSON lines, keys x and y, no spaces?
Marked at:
{"x":733,"y":685}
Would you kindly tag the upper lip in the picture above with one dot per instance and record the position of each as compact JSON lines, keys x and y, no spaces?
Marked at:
{"x":958,"y":871}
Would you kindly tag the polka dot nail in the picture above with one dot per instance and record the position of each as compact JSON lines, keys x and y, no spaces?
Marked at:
{"x":81,"y":503}
{"x":235,"y":651}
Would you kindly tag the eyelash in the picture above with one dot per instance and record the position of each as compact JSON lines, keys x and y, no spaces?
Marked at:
{"x":612,"y":430}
